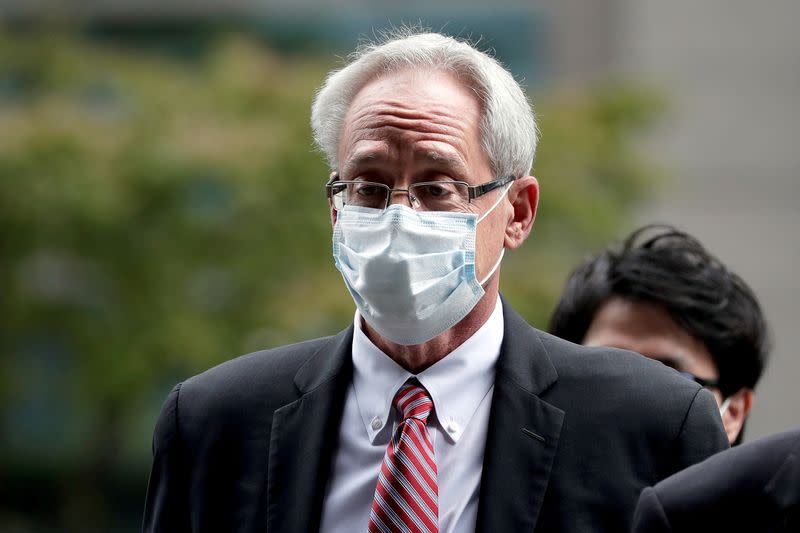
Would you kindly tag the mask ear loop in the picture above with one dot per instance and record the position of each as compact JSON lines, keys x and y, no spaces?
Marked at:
{"x":495,"y":204}
{"x":724,"y":407}
{"x":503,"y":250}
{"x":494,"y":268}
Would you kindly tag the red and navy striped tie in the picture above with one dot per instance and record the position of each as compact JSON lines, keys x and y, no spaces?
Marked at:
{"x":406,"y":495}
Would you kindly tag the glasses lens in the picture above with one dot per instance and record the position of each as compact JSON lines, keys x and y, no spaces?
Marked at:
{"x":440,"y":195}
{"x":337,"y":196}
{"x":361,"y":194}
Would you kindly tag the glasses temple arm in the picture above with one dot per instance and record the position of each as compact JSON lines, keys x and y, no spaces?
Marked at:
{"x":479,"y":190}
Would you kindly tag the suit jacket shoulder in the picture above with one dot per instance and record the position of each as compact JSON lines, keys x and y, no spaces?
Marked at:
{"x":753,"y":487}
{"x":213,"y":440}
{"x":263,"y":380}
{"x":597,"y":426}
{"x":641,"y":401}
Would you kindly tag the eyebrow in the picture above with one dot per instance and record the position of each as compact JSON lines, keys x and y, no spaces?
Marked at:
{"x":358,"y":159}
{"x":451,"y":162}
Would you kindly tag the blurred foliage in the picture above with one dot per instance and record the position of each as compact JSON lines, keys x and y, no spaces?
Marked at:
{"x":159,"y":216}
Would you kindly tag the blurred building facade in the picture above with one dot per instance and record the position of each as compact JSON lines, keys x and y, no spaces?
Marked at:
{"x":730,"y":67}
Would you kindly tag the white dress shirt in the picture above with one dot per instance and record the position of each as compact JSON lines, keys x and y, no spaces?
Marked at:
{"x":460,"y":385}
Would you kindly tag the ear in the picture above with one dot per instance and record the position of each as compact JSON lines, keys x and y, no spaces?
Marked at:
{"x":524,"y":198}
{"x":739,"y":407}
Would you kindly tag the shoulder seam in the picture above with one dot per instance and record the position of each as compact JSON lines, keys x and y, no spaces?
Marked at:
{"x":686,"y":414}
{"x":177,"y":414}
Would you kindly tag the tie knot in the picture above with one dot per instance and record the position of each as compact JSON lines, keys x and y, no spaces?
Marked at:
{"x":413,"y":401}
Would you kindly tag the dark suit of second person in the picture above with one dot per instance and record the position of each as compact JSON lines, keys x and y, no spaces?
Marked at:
{"x":754,"y":487}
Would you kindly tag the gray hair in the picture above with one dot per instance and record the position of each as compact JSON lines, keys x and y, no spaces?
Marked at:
{"x":508,"y":127}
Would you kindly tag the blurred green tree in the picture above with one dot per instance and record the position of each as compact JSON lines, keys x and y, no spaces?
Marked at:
{"x":159,"y":216}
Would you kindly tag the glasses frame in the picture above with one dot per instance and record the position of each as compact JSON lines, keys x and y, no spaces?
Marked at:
{"x":703,"y":382}
{"x":473,"y":191}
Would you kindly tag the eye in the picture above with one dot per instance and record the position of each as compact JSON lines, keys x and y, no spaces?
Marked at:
{"x":367,"y":189}
{"x":435,"y":190}
{"x":338,"y":188}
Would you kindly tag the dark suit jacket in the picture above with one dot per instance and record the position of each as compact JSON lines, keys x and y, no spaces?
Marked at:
{"x":754,"y":487}
{"x":575,"y":434}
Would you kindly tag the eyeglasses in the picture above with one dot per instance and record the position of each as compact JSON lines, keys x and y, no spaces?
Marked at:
{"x":710,"y":384}
{"x":703,"y":382}
{"x":423,"y":196}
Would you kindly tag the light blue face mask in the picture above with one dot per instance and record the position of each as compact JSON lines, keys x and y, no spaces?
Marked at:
{"x":410,"y":273}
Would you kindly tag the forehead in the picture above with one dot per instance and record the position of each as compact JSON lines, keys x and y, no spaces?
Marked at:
{"x":426,"y":117}
{"x":648,"y":329}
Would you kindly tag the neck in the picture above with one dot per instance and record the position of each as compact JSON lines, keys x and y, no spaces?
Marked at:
{"x":418,"y":357}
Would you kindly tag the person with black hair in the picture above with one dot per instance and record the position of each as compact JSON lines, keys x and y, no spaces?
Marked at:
{"x":662,"y":294}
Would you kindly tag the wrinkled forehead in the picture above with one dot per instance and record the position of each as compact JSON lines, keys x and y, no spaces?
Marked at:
{"x":430,"y":114}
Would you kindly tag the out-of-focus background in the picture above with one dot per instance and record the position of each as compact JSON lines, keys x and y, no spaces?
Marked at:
{"x":162,"y":208}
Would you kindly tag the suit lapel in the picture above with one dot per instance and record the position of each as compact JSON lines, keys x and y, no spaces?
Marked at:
{"x":523,"y":433}
{"x":303,"y":438}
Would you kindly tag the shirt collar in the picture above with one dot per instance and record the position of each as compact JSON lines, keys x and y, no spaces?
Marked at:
{"x":457,"y":383}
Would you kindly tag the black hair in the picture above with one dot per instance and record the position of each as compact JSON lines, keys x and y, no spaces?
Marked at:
{"x":662,"y":265}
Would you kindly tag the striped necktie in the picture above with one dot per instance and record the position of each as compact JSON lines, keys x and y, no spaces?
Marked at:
{"x":406,"y":494}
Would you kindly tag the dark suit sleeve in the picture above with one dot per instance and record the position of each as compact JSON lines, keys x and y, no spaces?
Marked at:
{"x":166,"y":506}
{"x":649,"y":516}
{"x":702,"y":434}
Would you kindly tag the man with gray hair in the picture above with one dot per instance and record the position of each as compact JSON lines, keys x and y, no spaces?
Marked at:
{"x":439,"y":408}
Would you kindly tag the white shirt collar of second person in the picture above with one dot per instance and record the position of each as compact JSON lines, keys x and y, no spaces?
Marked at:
{"x":457,"y":383}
